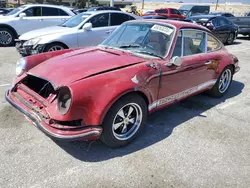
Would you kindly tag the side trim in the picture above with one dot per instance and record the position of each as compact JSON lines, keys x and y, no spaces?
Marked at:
{"x":181,"y":94}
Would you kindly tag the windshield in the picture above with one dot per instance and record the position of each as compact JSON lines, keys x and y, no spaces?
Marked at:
{"x":15,"y":10}
{"x":186,"y":7}
{"x":75,"y":20}
{"x":146,"y":39}
{"x":184,"y":12}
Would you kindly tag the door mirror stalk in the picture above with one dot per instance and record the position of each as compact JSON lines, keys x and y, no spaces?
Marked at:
{"x":176,"y":60}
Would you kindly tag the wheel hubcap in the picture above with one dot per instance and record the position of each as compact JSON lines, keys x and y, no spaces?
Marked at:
{"x":5,"y":37}
{"x":55,"y":48}
{"x":127,"y":121}
{"x":230,"y":38}
{"x":225,"y":80}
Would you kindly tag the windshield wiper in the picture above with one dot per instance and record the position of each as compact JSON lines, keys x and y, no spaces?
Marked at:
{"x":130,"y":46}
{"x":149,"y":53}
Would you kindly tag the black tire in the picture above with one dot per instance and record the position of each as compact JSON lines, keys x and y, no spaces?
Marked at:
{"x":230,"y":38}
{"x":49,"y":46}
{"x":11,"y":35}
{"x":109,"y":136}
{"x":215,"y":91}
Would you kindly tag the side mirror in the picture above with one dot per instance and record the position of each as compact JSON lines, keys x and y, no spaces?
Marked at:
{"x":176,"y":60}
{"x":209,"y":26}
{"x":87,"y":26}
{"x":21,"y":15}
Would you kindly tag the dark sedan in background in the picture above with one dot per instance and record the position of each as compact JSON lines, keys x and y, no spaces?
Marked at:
{"x":224,"y":29}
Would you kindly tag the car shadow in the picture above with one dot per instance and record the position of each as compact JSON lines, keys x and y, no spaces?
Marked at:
{"x":160,"y":126}
{"x":235,"y":43}
{"x":243,"y":38}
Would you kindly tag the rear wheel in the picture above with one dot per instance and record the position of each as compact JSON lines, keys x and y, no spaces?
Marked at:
{"x":124,"y":120}
{"x":223,"y":83}
{"x":7,"y":37}
{"x":230,"y":38}
{"x":54,"y":47}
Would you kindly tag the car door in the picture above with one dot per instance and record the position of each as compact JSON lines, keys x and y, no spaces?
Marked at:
{"x":99,"y":32}
{"x":53,"y":16}
{"x":221,"y":28}
{"x":32,"y":20}
{"x":195,"y":72}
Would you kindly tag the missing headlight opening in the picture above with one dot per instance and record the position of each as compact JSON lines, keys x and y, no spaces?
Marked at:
{"x":64,"y":100}
{"x":40,"y":86}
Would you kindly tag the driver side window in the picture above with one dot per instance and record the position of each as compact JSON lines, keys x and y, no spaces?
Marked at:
{"x":100,"y":20}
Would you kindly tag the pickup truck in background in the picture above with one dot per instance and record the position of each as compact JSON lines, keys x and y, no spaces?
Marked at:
{"x":243,"y":23}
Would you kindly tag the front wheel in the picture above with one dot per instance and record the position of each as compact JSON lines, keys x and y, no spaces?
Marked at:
{"x":7,"y":37}
{"x":54,"y":47}
{"x":124,"y":121}
{"x":223,"y":83}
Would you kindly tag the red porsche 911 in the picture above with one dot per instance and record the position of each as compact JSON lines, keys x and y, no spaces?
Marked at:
{"x":108,"y":90}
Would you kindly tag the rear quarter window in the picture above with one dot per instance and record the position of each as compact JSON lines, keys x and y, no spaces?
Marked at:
{"x":212,"y":43}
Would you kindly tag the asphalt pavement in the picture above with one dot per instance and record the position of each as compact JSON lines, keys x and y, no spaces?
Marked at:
{"x":199,"y":142}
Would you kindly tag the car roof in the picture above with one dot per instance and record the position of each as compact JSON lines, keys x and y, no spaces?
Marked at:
{"x":104,"y":11}
{"x":47,"y":5}
{"x":153,"y":16}
{"x":176,"y":23}
{"x":208,"y":16}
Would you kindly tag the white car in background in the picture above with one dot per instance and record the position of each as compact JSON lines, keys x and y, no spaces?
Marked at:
{"x":85,"y":29}
{"x":29,"y":17}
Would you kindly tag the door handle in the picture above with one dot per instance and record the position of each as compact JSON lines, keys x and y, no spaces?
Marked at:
{"x":109,"y":31}
{"x":40,"y":20}
{"x":208,"y":62}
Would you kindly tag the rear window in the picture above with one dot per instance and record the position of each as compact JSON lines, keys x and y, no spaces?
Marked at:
{"x":165,"y":11}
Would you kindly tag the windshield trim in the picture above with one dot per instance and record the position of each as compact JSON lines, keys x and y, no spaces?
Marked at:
{"x":150,"y":22}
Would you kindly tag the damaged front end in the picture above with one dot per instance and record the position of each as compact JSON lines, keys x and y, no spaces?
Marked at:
{"x":38,"y":100}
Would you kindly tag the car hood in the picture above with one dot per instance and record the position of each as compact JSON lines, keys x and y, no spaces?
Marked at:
{"x":44,"y":31}
{"x":79,"y":64}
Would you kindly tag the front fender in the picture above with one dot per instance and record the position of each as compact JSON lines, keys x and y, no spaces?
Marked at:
{"x":95,"y":95}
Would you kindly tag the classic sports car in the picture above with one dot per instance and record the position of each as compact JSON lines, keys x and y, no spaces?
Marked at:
{"x":107,"y":91}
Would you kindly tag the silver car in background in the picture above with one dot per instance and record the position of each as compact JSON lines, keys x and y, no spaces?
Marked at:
{"x":85,"y":29}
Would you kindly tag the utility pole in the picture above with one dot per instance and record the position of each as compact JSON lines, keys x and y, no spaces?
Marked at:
{"x":112,"y":2}
{"x":142,"y":5}
{"x":217,"y":1}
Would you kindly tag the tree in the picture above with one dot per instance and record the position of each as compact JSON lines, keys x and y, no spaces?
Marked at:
{"x":83,"y":3}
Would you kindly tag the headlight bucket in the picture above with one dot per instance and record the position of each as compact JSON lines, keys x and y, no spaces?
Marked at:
{"x":32,"y":42}
{"x":20,"y":66}
{"x":64,"y":100}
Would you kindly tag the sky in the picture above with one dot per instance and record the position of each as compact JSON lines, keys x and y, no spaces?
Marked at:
{"x":204,"y":1}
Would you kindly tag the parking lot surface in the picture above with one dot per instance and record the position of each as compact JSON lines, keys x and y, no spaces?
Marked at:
{"x":200,"y":142}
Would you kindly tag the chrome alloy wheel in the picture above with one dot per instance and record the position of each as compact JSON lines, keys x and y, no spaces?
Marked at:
{"x":225,"y":80}
{"x":5,"y":37}
{"x":55,"y":48}
{"x":127,"y":121}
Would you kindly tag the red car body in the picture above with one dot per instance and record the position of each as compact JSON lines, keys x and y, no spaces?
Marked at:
{"x":169,"y":13}
{"x":107,"y":75}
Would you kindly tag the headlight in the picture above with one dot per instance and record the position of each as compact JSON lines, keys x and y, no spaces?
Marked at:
{"x":64,"y":100}
{"x":20,"y":66}
{"x":32,"y":42}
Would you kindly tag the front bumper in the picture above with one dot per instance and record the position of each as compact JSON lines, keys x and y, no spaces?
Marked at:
{"x":84,"y":133}
{"x":28,"y":50}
